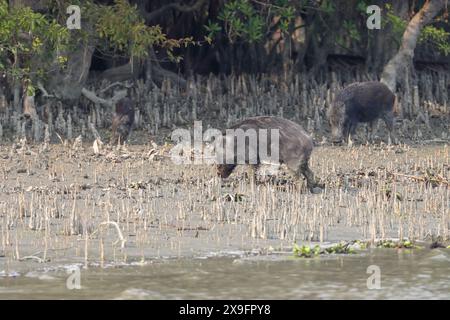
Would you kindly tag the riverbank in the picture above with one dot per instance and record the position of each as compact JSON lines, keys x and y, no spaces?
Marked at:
{"x":66,"y":204}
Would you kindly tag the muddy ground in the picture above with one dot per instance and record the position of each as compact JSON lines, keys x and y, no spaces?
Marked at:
{"x":64,"y":204}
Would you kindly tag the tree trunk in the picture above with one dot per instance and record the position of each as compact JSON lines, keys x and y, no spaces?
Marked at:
{"x":380,"y":44}
{"x":405,"y":54}
{"x":67,"y":83}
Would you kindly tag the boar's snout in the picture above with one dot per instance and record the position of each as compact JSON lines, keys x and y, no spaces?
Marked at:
{"x":336,"y":134}
{"x":224,"y":170}
{"x":336,"y":140}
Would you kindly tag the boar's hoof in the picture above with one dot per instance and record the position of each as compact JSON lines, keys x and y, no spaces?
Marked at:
{"x":336,"y":141}
{"x":316,"y":190}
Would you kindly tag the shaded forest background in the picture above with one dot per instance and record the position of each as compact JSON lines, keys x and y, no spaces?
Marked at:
{"x":215,"y":59}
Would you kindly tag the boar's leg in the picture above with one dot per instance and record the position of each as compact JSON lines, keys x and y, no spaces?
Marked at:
{"x":371,"y":130}
{"x":388,"y":119}
{"x":349,"y":129}
{"x":127,"y":135}
{"x":224,"y":170}
{"x":311,"y":182}
{"x":346,"y":131}
{"x":121,"y":129}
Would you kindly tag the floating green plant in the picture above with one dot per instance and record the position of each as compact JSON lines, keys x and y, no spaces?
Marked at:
{"x":341,"y":248}
{"x":362,"y":244}
{"x":306,"y":251}
{"x":401,"y":244}
{"x":309,"y":252}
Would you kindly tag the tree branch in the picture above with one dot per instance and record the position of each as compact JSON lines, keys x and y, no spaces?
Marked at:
{"x":109,"y":103}
{"x":115,"y":84}
{"x":45,"y":94}
{"x":405,"y":54}
{"x":149,"y":16}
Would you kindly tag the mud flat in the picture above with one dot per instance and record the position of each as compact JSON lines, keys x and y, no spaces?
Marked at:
{"x":63,"y":204}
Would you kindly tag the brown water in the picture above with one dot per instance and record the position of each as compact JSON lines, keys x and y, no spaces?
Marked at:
{"x":405,"y":274}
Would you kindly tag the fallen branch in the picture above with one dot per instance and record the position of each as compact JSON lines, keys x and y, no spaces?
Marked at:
{"x":438,"y":180}
{"x":119,"y":232}
{"x":39,"y":260}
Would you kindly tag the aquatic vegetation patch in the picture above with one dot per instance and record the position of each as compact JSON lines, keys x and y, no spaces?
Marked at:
{"x":400,"y":244}
{"x":309,"y":252}
{"x":351,"y":247}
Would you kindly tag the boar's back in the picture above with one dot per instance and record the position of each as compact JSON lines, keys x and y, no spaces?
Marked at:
{"x":125,"y":108}
{"x":294,"y":144}
{"x":367,"y":100}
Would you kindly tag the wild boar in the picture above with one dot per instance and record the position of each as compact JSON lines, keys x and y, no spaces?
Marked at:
{"x":294,"y":146}
{"x":122,"y":121}
{"x":361,"y":102}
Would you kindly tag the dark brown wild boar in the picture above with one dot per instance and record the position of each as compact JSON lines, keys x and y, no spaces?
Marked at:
{"x":361,"y":102}
{"x":294,"y":146}
{"x":122,"y":122}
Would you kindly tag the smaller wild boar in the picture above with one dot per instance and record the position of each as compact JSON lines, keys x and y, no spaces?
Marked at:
{"x":122,"y":121}
{"x":295,"y":147}
{"x":361,"y":102}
